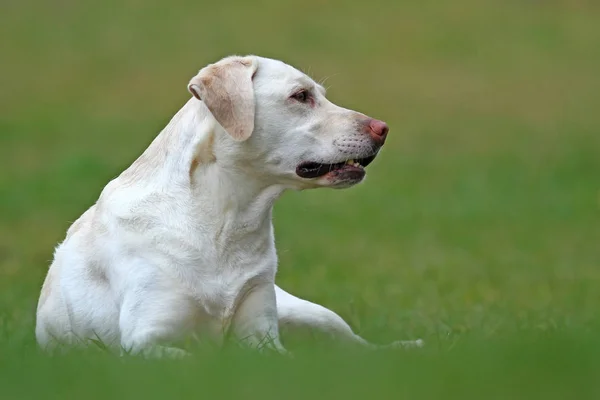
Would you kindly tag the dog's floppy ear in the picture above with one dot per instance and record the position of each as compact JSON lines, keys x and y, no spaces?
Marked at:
{"x":226,"y":89}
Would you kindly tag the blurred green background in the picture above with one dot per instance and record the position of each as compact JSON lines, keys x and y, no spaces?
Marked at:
{"x":478,"y":227}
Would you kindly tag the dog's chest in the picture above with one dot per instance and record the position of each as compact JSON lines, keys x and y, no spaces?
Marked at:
{"x":218,"y":275}
{"x":213,"y":259}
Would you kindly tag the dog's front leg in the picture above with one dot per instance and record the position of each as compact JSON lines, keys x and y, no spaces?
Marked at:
{"x":255,"y":321}
{"x":152,"y":318}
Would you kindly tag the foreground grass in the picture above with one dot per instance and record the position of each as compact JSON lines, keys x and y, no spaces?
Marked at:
{"x":561,"y":367}
{"x":477,"y":228}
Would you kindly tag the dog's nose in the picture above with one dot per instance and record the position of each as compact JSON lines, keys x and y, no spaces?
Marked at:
{"x":378,"y":130}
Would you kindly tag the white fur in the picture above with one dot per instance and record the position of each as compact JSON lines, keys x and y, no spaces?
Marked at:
{"x":181,"y":243}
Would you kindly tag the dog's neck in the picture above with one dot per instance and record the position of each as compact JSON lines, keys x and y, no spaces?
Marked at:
{"x":233,"y":201}
{"x":198,"y":155}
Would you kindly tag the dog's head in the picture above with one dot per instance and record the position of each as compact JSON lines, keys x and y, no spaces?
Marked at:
{"x":280,"y":123}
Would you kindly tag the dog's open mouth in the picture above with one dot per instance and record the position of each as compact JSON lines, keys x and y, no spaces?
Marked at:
{"x":314,"y":170}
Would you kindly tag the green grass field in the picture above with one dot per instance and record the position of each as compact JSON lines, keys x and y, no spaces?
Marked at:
{"x":477,"y":229}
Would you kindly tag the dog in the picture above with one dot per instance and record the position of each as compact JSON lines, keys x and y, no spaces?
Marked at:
{"x":181,"y":243}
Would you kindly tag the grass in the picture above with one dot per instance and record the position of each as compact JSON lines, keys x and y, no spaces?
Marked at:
{"x":477,"y":228}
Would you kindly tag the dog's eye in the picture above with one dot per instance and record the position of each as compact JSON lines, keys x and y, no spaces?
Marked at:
{"x":301,"y":96}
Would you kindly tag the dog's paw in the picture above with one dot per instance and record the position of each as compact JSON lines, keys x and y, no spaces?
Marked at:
{"x":275,"y":349}
{"x":408,"y":344}
{"x":403,"y":344}
{"x":163,"y":352}
{"x":177,"y":354}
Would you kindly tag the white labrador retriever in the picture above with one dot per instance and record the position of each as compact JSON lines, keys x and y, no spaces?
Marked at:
{"x":182,"y":242}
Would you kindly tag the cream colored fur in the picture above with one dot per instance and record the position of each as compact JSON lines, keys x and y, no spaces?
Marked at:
{"x":181,"y":243}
